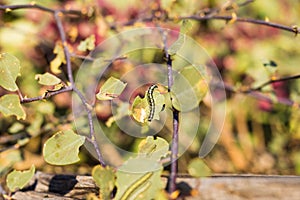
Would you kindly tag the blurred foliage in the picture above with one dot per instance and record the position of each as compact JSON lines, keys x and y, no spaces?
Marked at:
{"x":258,"y":136}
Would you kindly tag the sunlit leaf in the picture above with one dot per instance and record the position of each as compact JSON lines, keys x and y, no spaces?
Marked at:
{"x":140,"y":109}
{"x":139,"y":178}
{"x":144,"y":110}
{"x":198,"y":168}
{"x":9,"y":71}
{"x":47,"y":79}
{"x":189,"y":88}
{"x":10,"y":105}
{"x":153,"y":148}
{"x":87,"y":44}
{"x":185,"y":27}
{"x":63,"y":148}
{"x":19,"y":179}
{"x":111,"y":89}
{"x":58,"y":60}
{"x":104,"y":178}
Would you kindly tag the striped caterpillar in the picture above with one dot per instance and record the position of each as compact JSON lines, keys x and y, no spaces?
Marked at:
{"x":151,"y":102}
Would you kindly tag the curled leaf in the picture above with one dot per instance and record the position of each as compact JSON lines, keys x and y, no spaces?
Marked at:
{"x":111,"y":89}
{"x":47,"y":79}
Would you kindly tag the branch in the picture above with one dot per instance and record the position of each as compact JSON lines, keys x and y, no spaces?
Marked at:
{"x":62,"y":34}
{"x":260,"y":96}
{"x":8,"y":8}
{"x":86,"y":105}
{"x":47,"y":95}
{"x":259,"y":88}
{"x":293,"y":29}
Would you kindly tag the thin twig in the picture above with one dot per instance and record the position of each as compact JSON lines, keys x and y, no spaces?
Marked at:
{"x":92,"y":137}
{"x":62,"y":34}
{"x":260,"y":87}
{"x":260,"y":96}
{"x":39,"y":7}
{"x":86,"y":104}
{"x":47,"y":95}
{"x":293,"y":29}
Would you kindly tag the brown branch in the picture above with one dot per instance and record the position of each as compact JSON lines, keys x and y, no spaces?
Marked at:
{"x":260,"y":96}
{"x":47,"y":95}
{"x":86,"y":104}
{"x":293,"y":29}
{"x":39,"y":7}
{"x":258,"y":88}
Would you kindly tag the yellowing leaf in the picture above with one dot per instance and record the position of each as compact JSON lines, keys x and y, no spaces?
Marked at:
{"x":87,"y":44}
{"x":233,"y":18}
{"x":9,"y":71}
{"x":8,"y":158}
{"x":10,"y":105}
{"x":59,"y":59}
{"x":111,"y":89}
{"x":47,"y":79}
{"x":19,"y":179}
{"x":104,"y":178}
{"x":144,"y":110}
{"x":63,"y":148}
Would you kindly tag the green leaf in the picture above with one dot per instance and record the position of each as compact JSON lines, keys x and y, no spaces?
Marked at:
{"x":141,"y":107}
{"x":189,"y":88}
{"x":111,"y":89}
{"x":47,"y":79}
{"x":87,"y":44}
{"x":185,"y":27}
{"x":10,"y":105}
{"x":140,"y":177}
{"x":143,"y":184}
{"x":153,"y":148}
{"x":19,"y":179}
{"x":9,"y":71}
{"x":105,"y":179}
{"x":63,"y":148}
{"x":198,"y":168}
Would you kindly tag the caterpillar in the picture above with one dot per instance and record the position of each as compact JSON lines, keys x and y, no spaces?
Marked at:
{"x":151,"y":102}
{"x":136,"y":185}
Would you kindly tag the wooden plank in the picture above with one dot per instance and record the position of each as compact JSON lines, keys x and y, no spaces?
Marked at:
{"x":233,"y":187}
